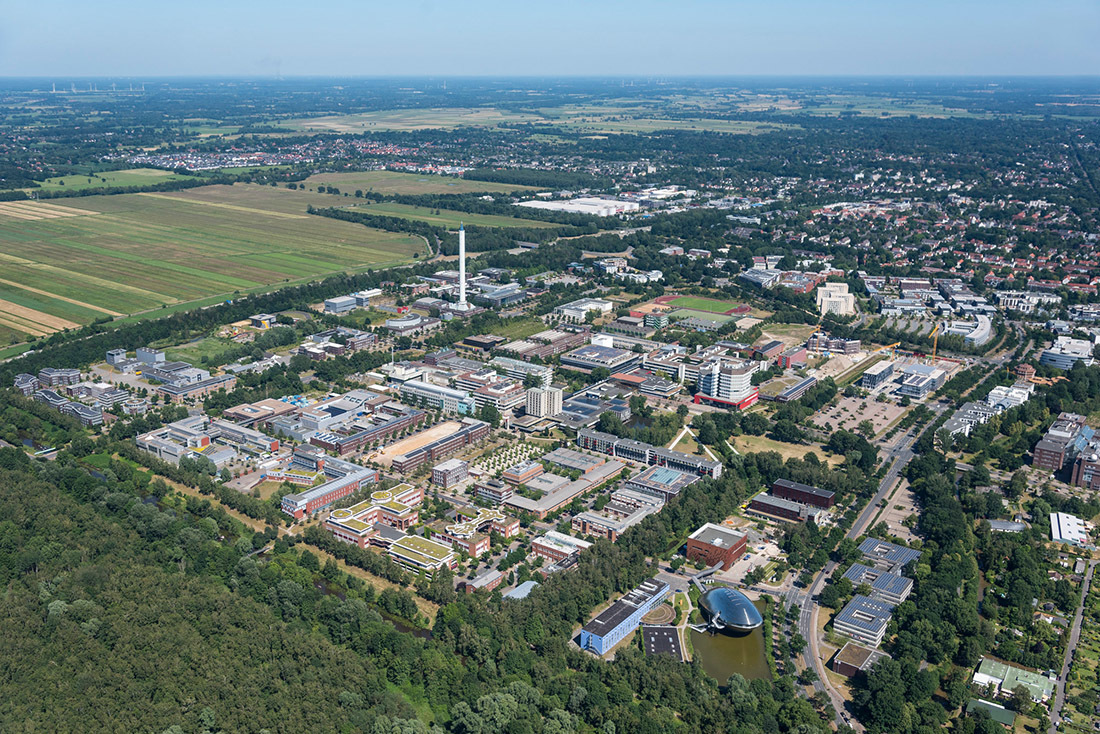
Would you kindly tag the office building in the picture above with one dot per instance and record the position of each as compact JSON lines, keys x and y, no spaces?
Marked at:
{"x":494,"y":491}
{"x":555,"y":547}
{"x":803,"y":493}
{"x":716,"y":545}
{"x":1063,"y":442}
{"x":887,"y":556}
{"x":606,"y":443}
{"x":519,"y":370}
{"x":450,"y":473}
{"x":727,"y":383}
{"x":522,"y":472}
{"x":471,"y":431}
{"x":577,"y":311}
{"x":324,"y":495}
{"x":660,"y":481}
{"x":54,"y":377}
{"x":420,"y":555}
{"x":853,"y":659}
{"x":613,"y":624}
{"x":864,"y":619}
{"x":544,"y":402}
{"x":392,"y":508}
{"x":592,"y":356}
{"x":889,"y":587}
{"x":417,"y":392}
{"x":876,"y":374}
{"x":766,"y":504}
{"x":835,"y":298}
{"x":340,"y":304}
{"x":1065,"y":352}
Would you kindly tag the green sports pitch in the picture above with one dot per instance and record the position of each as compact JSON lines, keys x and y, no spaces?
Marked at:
{"x":707,"y":305}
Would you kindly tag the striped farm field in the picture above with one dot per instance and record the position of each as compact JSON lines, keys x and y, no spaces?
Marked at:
{"x":66,"y":264}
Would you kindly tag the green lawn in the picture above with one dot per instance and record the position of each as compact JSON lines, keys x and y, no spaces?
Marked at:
{"x":104,"y":179}
{"x":193,"y":352}
{"x":446,"y":217}
{"x":392,"y":182}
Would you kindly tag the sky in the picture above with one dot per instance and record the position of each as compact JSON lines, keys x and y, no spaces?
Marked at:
{"x":156,"y":38}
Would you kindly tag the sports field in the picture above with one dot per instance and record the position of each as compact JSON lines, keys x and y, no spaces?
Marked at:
{"x":445,"y":217}
{"x":392,"y":182}
{"x":104,"y":179}
{"x":66,"y":264}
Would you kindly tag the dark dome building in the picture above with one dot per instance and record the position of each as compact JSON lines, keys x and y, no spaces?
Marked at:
{"x":728,"y":608}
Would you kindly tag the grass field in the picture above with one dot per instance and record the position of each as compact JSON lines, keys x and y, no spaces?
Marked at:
{"x":759,"y":444}
{"x":130,"y":177}
{"x":62,"y":265}
{"x":687,"y":313}
{"x":709,"y":305}
{"x":392,"y":182}
{"x":643,"y":125}
{"x":446,"y":217}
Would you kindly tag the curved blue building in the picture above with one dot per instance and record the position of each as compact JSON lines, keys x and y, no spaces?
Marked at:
{"x":726,"y":608}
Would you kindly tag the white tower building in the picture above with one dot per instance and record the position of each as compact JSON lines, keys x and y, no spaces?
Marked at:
{"x":462,"y":267}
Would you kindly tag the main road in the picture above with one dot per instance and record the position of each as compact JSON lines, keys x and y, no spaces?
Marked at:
{"x":897,"y":458}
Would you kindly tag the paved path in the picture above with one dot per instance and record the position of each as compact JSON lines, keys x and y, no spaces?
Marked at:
{"x":1071,"y":647}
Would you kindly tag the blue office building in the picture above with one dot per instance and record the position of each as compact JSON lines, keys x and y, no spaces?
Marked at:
{"x":613,"y":624}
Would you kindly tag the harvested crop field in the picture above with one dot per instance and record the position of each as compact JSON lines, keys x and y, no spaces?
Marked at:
{"x":68,"y":264}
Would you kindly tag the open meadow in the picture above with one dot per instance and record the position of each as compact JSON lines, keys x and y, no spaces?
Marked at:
{"x":392,"y":182}
{"x":446,"y":118}
{"x":66,"y":264}
{"x":105,"y":179}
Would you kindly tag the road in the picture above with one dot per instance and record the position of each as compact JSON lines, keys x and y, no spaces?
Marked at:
{"x":897,"y":457}
{"x":1071,"y":646}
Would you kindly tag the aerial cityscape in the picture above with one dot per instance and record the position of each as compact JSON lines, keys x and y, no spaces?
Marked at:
{"x":469,"y":397}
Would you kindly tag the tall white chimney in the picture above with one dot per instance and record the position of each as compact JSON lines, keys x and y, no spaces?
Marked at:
{"x":461,"y":266}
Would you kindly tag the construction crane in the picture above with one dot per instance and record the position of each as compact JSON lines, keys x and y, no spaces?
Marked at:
{"x":895,"y":345}
{"x":935,"y":341}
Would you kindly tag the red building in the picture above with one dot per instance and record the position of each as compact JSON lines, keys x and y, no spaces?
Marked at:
{"x":713,"y":544}
{"x":803,"y":493}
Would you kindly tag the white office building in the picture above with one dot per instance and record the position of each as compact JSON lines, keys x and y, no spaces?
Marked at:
{"x":835,"y":298}
{"x":544,"y":402}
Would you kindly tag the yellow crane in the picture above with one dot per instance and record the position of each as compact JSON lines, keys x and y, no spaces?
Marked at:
{"x":895,"y":345}
{"x":935,"y":341}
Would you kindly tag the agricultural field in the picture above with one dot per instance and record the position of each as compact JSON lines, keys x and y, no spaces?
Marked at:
{"x":644,"y":125}
{"x":392,"y":182}
{"x":105,"y":179}
{"x":67,"y":264}
{"x":446,"y":118}
{"x":445,"y":217}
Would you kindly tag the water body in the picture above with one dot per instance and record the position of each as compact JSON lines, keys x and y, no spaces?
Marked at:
{"x":724,"y":653}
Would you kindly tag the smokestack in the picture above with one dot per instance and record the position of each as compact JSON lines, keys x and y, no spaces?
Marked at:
{"x":461,"y":266}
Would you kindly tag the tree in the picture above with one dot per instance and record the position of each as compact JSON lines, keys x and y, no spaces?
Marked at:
{"x":489,"y":414}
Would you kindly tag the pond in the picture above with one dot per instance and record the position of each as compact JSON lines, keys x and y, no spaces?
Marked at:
{"x":724,"y":653}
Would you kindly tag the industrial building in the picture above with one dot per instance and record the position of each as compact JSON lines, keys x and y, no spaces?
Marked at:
{"x":1068,"y":529}
{"x":623,"y":617}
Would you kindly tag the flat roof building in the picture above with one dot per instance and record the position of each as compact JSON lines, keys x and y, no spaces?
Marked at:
{"x":660,"y":481}
{"x":716,"y":545}
{"x":889,"y":587}
{"x":613,"y":624}
{"x":450,"y":473}
{"x":890,"y":556}
{"x":803,"y":493}
{"x":1068,"y":529}
{"x":864,"y":619}
{"x":854,"y":658}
